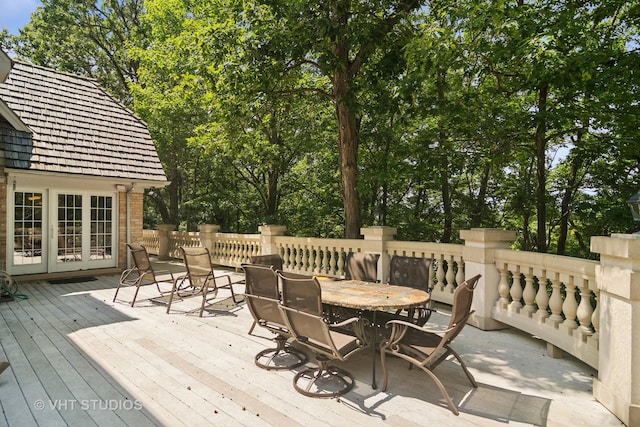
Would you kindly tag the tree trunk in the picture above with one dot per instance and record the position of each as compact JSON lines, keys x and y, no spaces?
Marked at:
{"x":344,"y":99}
{"x":540,"y":139}
{"x":445,"y":187}
{"x":566,"y":201}
{"x":476,"y":214}
{"x":348,"y":150}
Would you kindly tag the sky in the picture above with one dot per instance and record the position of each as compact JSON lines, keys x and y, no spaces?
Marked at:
{"x":14,"y":14}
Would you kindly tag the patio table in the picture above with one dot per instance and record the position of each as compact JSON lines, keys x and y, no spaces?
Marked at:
{"x":371,"y":297}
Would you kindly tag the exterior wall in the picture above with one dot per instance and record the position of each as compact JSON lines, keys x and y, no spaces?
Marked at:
{"x":3,"y":222}
{"x":135,"y":215}
{"x":122,"y":229}
{"x":135,"y":223}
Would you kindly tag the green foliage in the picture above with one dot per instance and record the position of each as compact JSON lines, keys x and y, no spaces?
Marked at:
{"x":514,"y":115}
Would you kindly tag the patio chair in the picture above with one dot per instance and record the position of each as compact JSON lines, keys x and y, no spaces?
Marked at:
{"x":361,"y":266}
{"x":427,"y":348}
{"x":263,"y":298}
{"x":414,"y":273}
{"x":142,"y":272}
{"x":302,"y":308}
{"x":272,"y":260}
{"x":200,"y":279}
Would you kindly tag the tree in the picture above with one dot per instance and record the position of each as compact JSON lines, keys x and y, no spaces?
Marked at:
{"x":86,"y":37}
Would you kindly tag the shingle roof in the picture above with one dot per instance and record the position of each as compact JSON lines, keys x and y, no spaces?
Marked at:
{"x":77,"y":128}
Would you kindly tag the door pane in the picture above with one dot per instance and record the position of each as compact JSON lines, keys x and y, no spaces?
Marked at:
{"x":69,"y":228}
{"x":101,"y":237}
{"x":27,"y":228}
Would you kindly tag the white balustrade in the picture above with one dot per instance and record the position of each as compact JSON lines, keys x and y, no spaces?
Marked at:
{"x":552,"y":297}
{"x":553,"y":285}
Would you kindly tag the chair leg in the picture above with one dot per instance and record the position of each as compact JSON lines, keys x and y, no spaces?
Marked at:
{"x":252,"y":327}
{"x":135,"y":295}
{"x":282,"y":350}
{"x":327,"y":373}
{"x":173,"y":291}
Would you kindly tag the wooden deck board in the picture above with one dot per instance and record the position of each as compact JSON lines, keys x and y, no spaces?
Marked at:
{"x":70,"y":342}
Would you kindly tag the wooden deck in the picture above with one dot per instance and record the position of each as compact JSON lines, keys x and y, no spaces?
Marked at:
{"x":78,"y":359}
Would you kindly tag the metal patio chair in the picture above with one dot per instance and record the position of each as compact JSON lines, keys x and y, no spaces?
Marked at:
{"x":263,"y":299}
{"x":271,"y":260}
{"x":142,"y":272}
{"x":200,"y":279}
{"x":302,"y":308}
{"x":412,"y":272}
{"x":361,"y":266}
{"x":427,"y":348}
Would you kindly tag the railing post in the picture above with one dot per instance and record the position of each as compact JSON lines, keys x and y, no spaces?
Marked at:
{"x":164,"y":240}
{"x":267,"y":233}
{"x":478,"y":256}
{"x":375,"y":241}
{"x":618,"y":278}
{"x":208,"y":236}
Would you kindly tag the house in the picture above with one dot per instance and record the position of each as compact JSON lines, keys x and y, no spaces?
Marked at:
{"x":74,"y":166}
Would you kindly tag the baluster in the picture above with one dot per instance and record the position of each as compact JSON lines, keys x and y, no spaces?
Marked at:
{"x":585,"y":310}
{"x":595,"y":317}
{"x":304,"y":258}
{"x":460,"y":277}
{"x":440,"y":274}
{"x":286,"y":257}
{"x":503,"y":287}
{"x":431,"y":273}
{"x":542,"y":297}
{"x":340,"y":264}
{"x":570,"y":306}
{"x":516,"y":291}
{"x":529,"y":293}
{"x":555,"y":302}
{"x":300,"y":252}
{"x":318,"y":261}
{"x":450,"y":275}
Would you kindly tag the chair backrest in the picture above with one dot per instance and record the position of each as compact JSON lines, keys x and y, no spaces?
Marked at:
{"x":410,"y":271}
{"x":273,"y":260}
{"x":261,"y":280}
{"x":197,"y":261}
{"x":362,"y":266}
{"x":263,"y":296}
{"x":140,"y":258}
{"x":302,"y":298}
{"x":461,"y":309}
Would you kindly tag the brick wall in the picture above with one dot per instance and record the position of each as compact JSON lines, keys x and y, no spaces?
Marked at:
{"x":136,"y":219}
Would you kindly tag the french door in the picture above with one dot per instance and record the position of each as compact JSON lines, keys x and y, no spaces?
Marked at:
{"x":83,"y":232}
{"x":62,"y":231}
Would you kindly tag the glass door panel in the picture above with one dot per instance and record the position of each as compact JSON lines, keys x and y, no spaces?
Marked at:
{"x":69,"y":228}
{"x":27,"y":229}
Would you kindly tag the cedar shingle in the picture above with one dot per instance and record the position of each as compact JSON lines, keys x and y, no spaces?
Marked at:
{"x":77,"y":128}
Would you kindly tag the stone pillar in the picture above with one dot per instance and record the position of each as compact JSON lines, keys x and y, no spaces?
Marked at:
{"x":164,"y":243}
{"x":267,"y":233}
{"x":208,"y":236}
{"x":478,"y":255}
{"x":375,"y":241}
{"x":618,"y":278}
